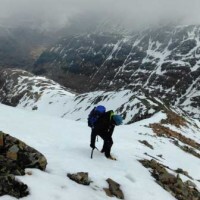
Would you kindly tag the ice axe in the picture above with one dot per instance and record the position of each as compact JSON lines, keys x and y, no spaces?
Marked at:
{"x":93,"y":151}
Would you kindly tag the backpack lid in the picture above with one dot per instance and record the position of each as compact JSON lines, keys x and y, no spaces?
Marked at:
{"x":117,"y":119}
{"x":100,"y":109}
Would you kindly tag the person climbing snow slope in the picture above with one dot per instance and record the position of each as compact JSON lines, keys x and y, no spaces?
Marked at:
{"x":104,"y":127}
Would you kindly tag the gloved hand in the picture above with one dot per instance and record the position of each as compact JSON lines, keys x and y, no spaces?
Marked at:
{"x":92,"y":146}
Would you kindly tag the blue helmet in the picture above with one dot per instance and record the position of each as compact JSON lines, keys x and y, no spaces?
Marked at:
{"x":117,"y":119}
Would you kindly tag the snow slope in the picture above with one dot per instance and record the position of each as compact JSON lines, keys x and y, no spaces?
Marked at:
{"x":65,"y":143}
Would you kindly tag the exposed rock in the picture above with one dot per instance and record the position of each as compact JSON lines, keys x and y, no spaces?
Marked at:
{"x":181,"y":171}
{"x":114,"y":189}
{"x":24,"y":156}
{"x":191,"y":184}
{"x":15,"y":156}
{"x":160,"y":155}
{"x":146,"y":143}
{"x":16,"y":84}
{"x":173,"y":184}
{"x":10,"y":186}
{"x":80,"y":178}
{"x":108,"y":192}
{"x":187,"y":149}
{"x":150,"y":156}
{"x":9,"y":166}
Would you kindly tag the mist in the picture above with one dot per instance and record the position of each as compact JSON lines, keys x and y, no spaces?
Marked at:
{"x":55,"y":14}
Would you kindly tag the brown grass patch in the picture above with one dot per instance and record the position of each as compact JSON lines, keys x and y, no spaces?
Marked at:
{"x":161,"y":130}
{"x":174,"y":119}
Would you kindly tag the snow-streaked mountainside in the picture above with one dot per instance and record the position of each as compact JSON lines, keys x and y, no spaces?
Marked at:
{"x":162,"y":62}
{"x":24,"y":90}
{"x":65,"y":143}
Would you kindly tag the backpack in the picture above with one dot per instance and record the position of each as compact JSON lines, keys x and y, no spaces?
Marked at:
{"x":95,"y":114}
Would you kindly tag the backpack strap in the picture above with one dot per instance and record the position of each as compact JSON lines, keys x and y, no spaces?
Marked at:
{"x":111,"y":114}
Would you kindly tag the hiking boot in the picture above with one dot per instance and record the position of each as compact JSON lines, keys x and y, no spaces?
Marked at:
{"x":102,"y":151}
{"x":111,"y":158}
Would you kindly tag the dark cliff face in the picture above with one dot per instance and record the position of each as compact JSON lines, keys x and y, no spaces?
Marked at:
{"x":74,"y":60}
{"x":20,"y":47}
{"x":163,"y":62}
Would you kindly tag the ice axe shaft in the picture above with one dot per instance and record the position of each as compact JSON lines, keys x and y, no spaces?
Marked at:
{"x":93,"y":151}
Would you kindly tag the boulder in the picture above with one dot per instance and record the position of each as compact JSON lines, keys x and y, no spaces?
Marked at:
{"x":146,"y":143}
{"x":80,"y":178}
{"x":173,"y":184}
{"x":20,"y":153}
{"x":15,"y":156}
{"x":114,"y":189}
{"x":10,"y":186}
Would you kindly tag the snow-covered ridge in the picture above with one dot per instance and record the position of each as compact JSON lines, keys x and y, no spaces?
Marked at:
{"x":24,"y":90}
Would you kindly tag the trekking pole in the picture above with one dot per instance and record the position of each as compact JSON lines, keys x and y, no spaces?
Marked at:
{"x":93,"y":151}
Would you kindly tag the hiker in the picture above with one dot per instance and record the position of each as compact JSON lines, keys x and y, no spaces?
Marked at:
{"x":104,"y":127}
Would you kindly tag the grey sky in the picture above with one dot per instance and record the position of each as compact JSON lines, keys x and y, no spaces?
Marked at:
{"x":130,"y":12}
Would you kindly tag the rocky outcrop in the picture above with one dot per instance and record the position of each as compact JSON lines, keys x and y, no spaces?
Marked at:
{"x":9,"y":82}
{"x":15,"y":156}
{"x":80,"y":178}
{"x":173,"y":184}
{"x":187,"y":149}
{"x":10,"y":186}
{"x":83,"y":179}
{"x":146,"y":143}
{"x":18,"y":85}
{"x":21,"y":154}
{"x":114,"y":189}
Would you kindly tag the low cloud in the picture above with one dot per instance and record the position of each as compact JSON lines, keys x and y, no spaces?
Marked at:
{"x":59,"y":13}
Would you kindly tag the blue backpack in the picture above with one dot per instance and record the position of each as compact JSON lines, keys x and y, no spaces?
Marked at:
{"x":95,"y":114}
